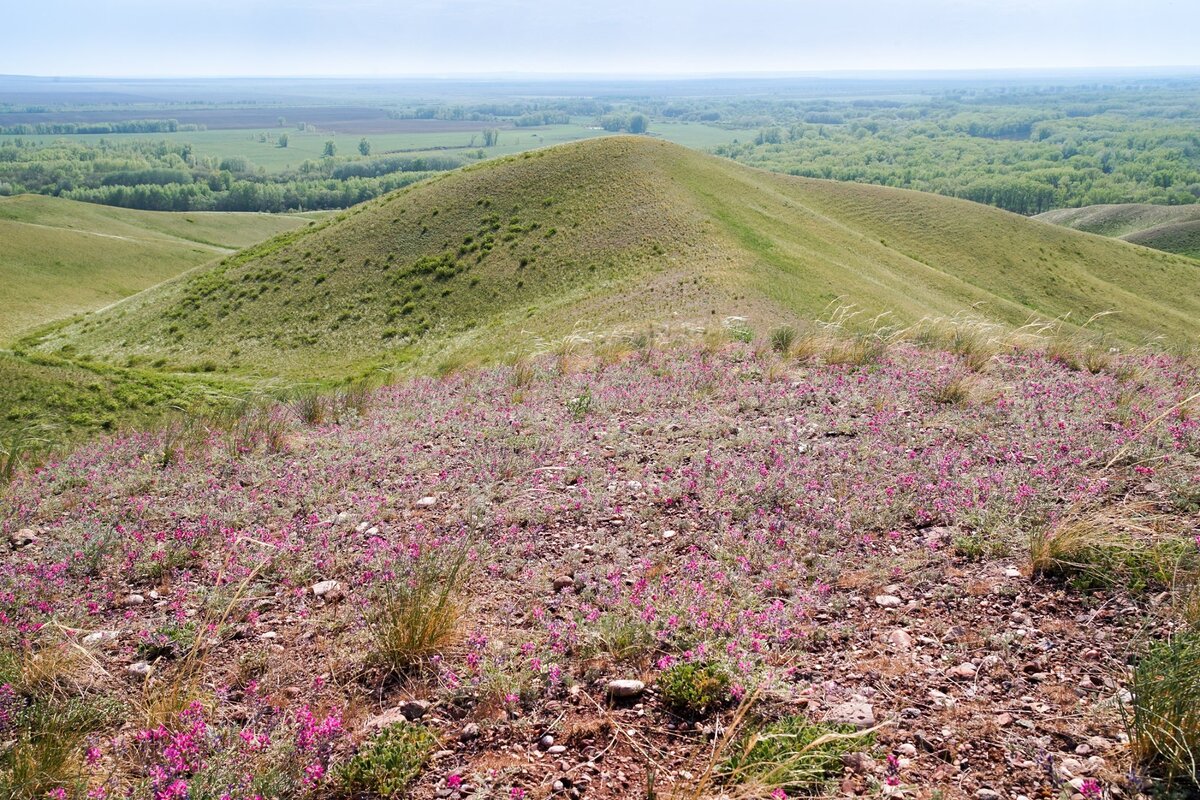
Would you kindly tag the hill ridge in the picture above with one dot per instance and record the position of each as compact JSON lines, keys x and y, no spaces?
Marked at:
{"x":616,"y":231}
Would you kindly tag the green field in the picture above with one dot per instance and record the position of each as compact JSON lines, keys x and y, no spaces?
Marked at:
{"x":614,"y":232}
{"x":67,"y":257}
{"x":1173,"y":229}
{"x":303,"y":146}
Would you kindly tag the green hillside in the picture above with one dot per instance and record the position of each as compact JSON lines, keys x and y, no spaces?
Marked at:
{"x":66,"y":257}
{"x":1174,"y":229}
{"x":619,"y":231}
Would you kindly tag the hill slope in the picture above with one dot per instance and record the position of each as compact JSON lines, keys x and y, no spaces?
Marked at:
{"x":1174,"y":229}
{"x":64,"y":257}
{"x":620,"y":231}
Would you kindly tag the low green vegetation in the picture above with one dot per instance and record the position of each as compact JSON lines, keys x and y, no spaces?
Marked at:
{"x":45,"y":719}
{"x":793,"y":754}
{"x":1106,"y":550}
{"x":388,"y":764}
{"x":694,"y":689}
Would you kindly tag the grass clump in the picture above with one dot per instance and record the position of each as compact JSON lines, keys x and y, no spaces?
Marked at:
{"x":44,"y":720}
{"x":1163,"y":717}
{"x":782,"y":339}
{"x":793,"y":754}
{"x":1101,"y":551}
{"x":414,"y":617}
{"x":387,"y":765}
{"x":694,"y":689}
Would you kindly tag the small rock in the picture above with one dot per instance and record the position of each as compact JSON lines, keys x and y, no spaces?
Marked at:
{"x":134,"y":600}
{"x":987,"y":794}
{"x":1004,"y":719}
{"x":907,"y":750}
{"x":99,"y":638}
{"x":470,"y":731}
{"x":858,"y":714}
{"x":901,"y":640}
{"x":625,"y":688}
{"x":858,"y":763}
{"x":668,"y":534}
{"x":966,"y":670}
{"x":1012,"y":572}
{"x":140,"y":669}
{"x":328,"y":590}
{"x":414,"y":709}
{"x":546,"y":741}
{"x":426,"y":502}
{"x":888,"y":601}
{"x":22,"y":538}
{"x":556,"y":749}
{"x":563,"y":582}
{"x":954,"y":633}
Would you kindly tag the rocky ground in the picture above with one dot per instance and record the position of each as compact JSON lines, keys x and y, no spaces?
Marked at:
{"x":844,"y":542}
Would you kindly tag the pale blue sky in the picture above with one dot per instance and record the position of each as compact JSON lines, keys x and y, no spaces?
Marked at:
{"x":432,"y":37}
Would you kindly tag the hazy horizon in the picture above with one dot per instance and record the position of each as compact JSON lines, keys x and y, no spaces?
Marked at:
{"x":518,"y":38}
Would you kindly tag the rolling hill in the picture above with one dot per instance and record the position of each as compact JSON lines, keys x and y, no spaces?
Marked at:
{"x":611,"y":232}
{"x":1174,"y":229}
{"x":69,"y":257}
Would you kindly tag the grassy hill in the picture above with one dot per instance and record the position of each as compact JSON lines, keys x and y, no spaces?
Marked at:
{"x":611,"y":232}
{"x":68,"y":257}
{"x":1174,"y":229}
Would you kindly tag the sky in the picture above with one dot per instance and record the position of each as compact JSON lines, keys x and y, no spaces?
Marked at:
{"x":613,"y":37}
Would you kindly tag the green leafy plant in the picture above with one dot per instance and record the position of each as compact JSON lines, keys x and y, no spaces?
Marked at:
{"x":693,"y":689}
{"x":387,"y":765}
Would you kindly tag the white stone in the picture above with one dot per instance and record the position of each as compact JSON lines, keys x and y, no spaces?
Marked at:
{"x":625,"y":688}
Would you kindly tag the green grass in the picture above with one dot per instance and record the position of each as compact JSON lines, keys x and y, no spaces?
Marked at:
{"x":1163,"y":717}
{"x":1174,"y":229}
{"x":67,"y":257}
{"x":614,"y":231}
{"x":45,"y":400}
{"x":792,"y":754}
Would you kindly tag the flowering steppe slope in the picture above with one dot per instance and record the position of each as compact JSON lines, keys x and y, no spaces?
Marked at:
{"x":596,"y":574}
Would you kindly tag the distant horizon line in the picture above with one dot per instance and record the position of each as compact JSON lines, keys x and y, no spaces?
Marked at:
{"x":896,"y":73}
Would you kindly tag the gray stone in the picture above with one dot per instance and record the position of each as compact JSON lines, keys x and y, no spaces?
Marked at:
{"x":140,"y":669}
{"x":100,"y":638}
{"x":888,"y":601}
{"x":470,"y":731}
{"x":427,"y":502}
{"x":414,"y":709}
{"x":900,"y":639}
{"x":858,"y":714}
{"x":563,"y":582}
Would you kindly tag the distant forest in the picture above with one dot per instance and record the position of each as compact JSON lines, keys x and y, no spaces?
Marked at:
{"x":1027,"y":149}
